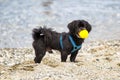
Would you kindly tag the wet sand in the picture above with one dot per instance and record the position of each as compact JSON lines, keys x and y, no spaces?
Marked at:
{"x":97,"y":60}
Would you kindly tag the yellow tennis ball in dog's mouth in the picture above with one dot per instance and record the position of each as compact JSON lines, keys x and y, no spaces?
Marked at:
{"x":83,"y":34}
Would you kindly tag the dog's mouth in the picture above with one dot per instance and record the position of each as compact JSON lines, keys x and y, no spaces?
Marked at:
{"x":77,"y":36}
{"x":82,"y":33}
{"x":80,"y":29}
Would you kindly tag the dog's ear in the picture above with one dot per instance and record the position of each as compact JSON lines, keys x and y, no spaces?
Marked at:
{"x":71,"y":26}
{"x":87,"y":25}
{"x":89,"y":28}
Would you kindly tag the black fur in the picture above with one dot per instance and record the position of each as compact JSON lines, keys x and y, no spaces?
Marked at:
{"x":46,"y":39}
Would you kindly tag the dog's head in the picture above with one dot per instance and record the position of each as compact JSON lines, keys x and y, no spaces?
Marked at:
{"x":78,"y":25}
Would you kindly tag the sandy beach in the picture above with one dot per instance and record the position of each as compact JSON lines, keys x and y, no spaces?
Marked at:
{"x":97,"y":60}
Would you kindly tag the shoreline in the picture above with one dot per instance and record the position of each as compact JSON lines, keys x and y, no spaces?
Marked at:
{"x":96,"y":60}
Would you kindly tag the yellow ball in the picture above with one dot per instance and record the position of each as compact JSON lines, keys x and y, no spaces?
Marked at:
{"x":83,"y":34}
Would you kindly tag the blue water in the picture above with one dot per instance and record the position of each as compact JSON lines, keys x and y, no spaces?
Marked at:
{"x":19,"y":17}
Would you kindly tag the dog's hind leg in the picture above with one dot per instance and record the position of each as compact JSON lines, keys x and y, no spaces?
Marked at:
{"x":39,"y":56}
{"x":39,"y":52}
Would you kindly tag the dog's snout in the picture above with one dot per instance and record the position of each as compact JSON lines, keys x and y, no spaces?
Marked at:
{"x":82,"y":28}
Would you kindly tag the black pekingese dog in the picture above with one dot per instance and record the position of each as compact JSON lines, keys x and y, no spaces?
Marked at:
{"x":46,"y":39}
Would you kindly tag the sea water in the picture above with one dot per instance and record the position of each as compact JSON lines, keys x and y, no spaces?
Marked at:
{"x":19,"y":17}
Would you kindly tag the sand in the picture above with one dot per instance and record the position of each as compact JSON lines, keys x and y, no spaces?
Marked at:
{"x":97,"y":60}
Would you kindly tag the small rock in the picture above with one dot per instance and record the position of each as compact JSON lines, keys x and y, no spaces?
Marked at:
{"x":118,"y":64}
{"x":97,"y":59}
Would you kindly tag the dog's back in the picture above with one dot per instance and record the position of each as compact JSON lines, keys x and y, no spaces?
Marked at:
{"x":47,"y":35}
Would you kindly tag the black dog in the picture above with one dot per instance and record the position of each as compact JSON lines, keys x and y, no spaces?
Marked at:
{"x":67,"y":43}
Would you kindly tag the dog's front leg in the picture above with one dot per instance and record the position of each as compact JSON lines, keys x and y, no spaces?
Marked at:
{"x":64,"y":56}
{"x":73,"y":56}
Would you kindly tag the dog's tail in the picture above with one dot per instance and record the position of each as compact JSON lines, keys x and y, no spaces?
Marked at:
{"x":37,"y":33}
